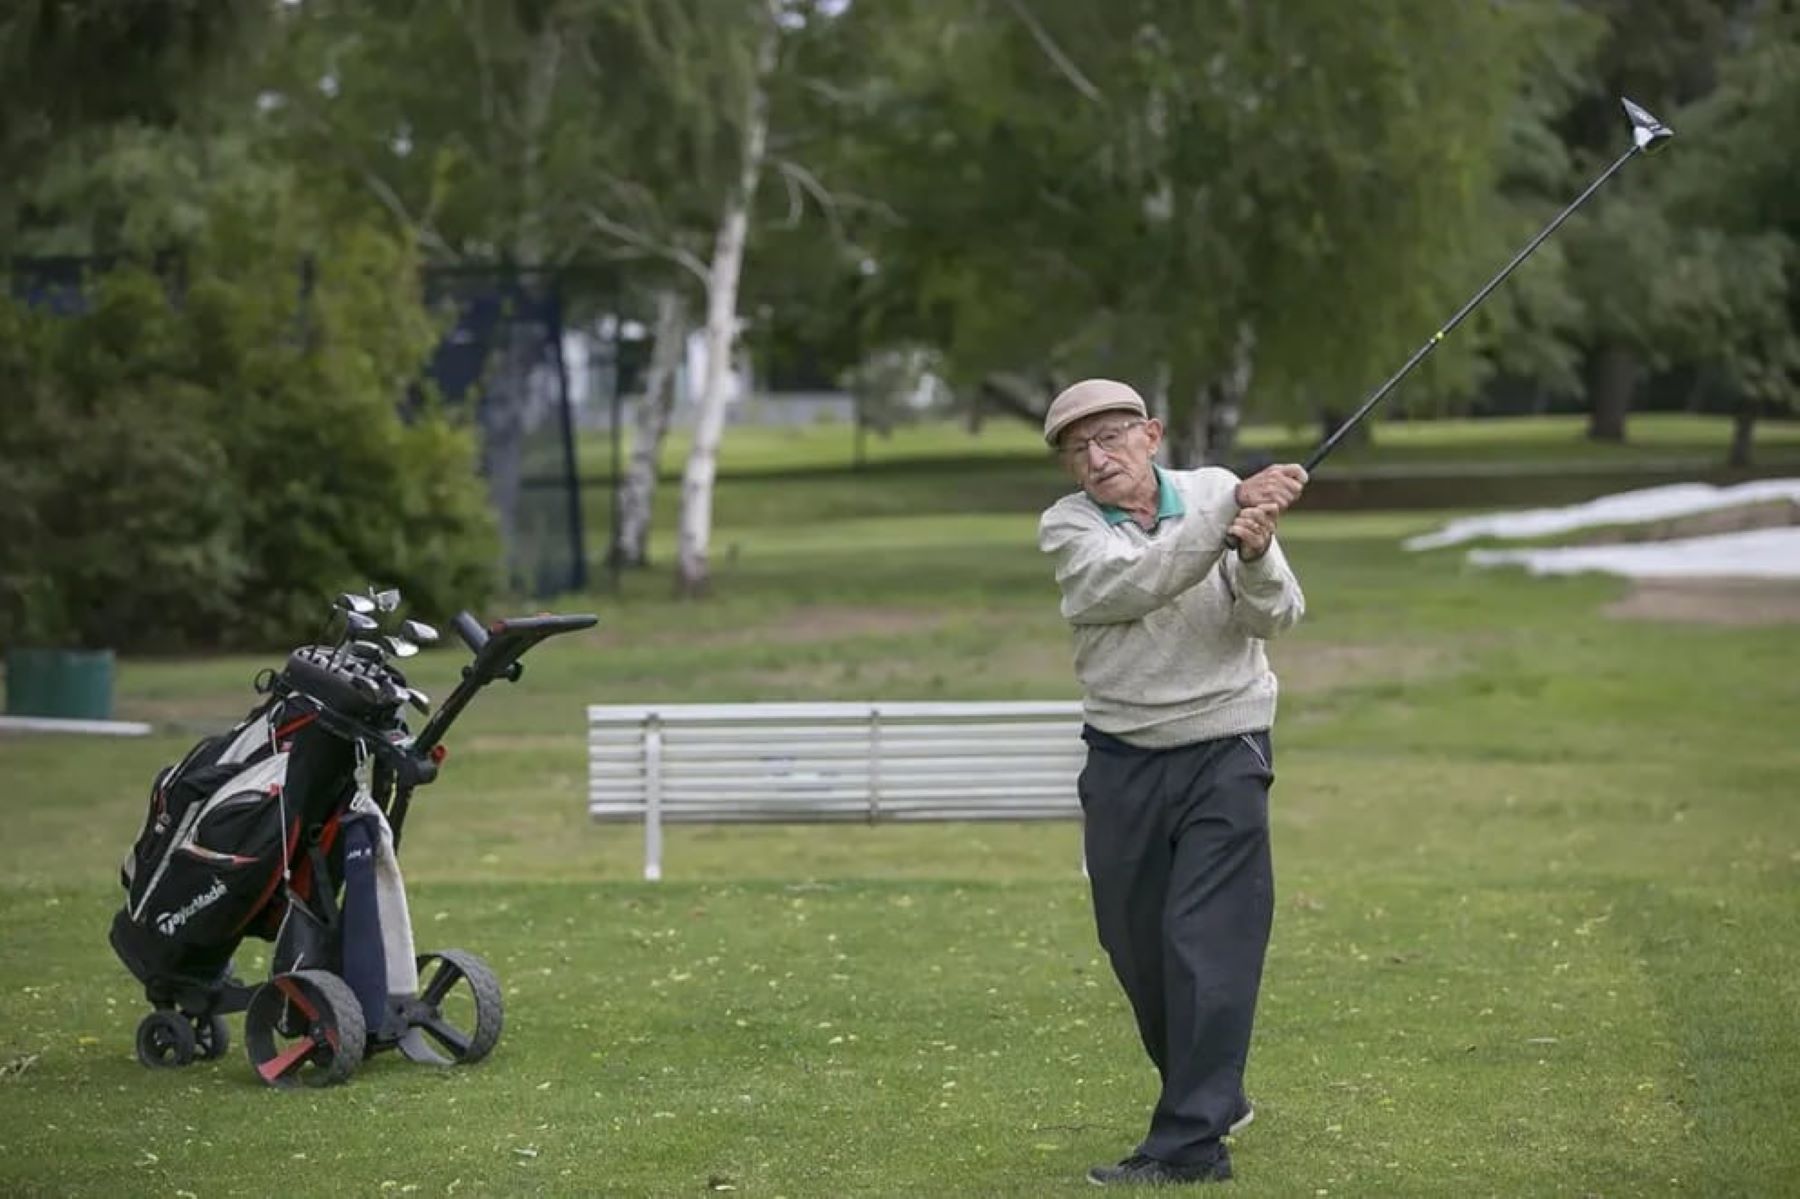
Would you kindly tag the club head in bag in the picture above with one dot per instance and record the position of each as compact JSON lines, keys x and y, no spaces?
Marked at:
{"x":349,"y":602}
{"x":387,"y":600}
{"x":419,"y":700}
{"x":358,"y":623}
{"x":400,"y":647}
{"x":418,"y":632}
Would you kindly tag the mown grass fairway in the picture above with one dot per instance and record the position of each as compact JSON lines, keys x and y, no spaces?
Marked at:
{"x":1538,"y":929}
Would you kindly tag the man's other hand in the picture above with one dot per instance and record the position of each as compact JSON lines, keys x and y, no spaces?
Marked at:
{"x":1254,"y":529}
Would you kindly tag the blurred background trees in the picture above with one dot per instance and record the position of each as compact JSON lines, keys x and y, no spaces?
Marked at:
{"x":221,"y":218}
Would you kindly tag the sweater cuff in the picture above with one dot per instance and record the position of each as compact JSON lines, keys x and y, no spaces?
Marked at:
{"x":1265,"y":573}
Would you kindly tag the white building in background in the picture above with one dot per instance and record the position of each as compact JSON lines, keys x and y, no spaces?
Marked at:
{"x":588,"y":356}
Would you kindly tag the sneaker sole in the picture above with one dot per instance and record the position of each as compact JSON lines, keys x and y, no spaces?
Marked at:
{"x":1242,"y":1122}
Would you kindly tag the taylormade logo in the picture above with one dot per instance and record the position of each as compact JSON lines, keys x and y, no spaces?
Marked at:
{"x":168,"y":922}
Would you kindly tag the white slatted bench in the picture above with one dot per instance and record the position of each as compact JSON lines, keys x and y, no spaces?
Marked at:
{"x":804,"y":762}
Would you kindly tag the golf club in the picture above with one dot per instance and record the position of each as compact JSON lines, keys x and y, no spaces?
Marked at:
{"x":418,"y":631}
{"x":1648,"y":135}
{"x":400,"y":647}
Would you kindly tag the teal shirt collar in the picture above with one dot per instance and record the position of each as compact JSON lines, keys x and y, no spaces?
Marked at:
{"x":1168,"y":502}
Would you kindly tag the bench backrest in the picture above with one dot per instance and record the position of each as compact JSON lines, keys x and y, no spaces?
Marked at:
{"x":793,"y":762}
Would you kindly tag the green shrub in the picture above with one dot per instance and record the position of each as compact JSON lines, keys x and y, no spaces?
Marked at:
{"x":203,"y":462}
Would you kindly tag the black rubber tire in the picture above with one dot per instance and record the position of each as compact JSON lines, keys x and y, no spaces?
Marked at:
{"x":331,"y":1036}
{"x":165,"y":1040}
{"x":212,"y":1037}
{"x":466,"y":1047}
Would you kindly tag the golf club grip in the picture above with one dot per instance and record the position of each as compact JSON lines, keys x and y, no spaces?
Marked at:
{"x":470,"y":630}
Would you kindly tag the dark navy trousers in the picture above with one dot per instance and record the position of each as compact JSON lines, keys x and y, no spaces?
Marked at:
{"x":1177,"y":845}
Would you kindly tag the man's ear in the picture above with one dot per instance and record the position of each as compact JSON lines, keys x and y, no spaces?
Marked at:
{"x":1154,"y":428}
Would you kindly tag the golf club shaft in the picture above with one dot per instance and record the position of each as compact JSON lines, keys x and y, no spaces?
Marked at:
{"x":1330,"y":443}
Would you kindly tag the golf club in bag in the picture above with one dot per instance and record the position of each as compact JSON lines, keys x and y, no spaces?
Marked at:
{"x":1648,"y":135}
{"x":286,"y":828}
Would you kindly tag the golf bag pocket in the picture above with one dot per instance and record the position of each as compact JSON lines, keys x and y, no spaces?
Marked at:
{"x":221,"y":861}
{"x":209,"y":765}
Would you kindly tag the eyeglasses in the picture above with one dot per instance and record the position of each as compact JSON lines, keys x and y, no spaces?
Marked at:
{"x":1110,"y":440}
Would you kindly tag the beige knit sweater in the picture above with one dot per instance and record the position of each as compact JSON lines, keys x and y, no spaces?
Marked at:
{"x":1168,"y":625}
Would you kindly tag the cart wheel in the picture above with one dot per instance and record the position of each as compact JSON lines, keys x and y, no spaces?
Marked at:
{"x":304,"y":1029}
{"x":212,"y":1036}
{"x":165,"y":1040}
{"x":465,"y":1019}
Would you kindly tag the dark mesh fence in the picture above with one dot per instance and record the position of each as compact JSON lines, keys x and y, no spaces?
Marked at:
{"x":503,"y":357}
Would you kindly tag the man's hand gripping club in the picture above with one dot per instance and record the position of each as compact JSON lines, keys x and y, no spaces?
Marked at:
{"x":1262,"y":498}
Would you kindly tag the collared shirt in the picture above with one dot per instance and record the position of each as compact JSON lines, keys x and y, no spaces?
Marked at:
{"x":1168,"y":502}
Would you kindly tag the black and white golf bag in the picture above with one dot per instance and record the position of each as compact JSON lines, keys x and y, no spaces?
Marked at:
{"x":285,"y":829}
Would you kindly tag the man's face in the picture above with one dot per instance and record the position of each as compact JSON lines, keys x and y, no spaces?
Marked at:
{"x":1110,"y":454}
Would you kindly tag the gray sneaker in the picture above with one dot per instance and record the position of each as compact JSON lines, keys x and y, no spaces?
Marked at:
{"x":1243,"y":1119}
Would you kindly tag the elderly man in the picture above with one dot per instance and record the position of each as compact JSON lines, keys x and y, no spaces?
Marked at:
{"x":1169,"y":622}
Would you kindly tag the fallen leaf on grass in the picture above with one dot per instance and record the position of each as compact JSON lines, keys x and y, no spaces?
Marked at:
{"x":18,"y":1065}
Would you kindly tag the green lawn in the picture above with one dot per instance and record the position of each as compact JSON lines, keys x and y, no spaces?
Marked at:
{"x":1538,"y":933}
{"x":1534,"y":440}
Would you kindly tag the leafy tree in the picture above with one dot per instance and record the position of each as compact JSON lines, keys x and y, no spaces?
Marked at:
{"x":1664,"y":54}
{"x":1738,"y":186}
{"x":69,"y":68}
{"x":483,"y":128}
{"x":726,"y":83}
{"x":1217,"y":201}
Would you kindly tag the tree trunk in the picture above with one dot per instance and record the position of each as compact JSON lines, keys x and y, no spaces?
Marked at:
{"x":1743,"y":431}
{"x":650,"y":426}
{"x":1158,"y":404}
{"x":1613,"y":373}
{"x":692,"y":569}
{"x":1224,"y":401}
{"x":507,"y":411}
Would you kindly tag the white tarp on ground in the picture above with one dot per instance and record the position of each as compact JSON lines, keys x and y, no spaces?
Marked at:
{"x":1629,"y":507}
{"x":1756,"y":554}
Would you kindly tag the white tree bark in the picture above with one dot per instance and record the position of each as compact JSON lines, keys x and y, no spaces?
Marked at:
{"x":1220,"y":409}
{"x":692,"y":567}
{"x":649,"y":428}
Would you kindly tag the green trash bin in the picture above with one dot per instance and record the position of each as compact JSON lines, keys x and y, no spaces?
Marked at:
{"x":73,"y":684}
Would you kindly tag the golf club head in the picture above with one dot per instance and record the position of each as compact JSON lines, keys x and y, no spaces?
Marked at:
{"x":1647,"y":132}
{"x":400,"y":647}
{"x":358,"y":623}
{"x":419,"y":700}
{"x":386,"y":600}
{"x":366,"y":649}
{"x":348,"y":602}
{"x":418,"y":632}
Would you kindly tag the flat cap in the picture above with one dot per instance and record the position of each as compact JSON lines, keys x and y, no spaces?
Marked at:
{"x":1086,"y":398}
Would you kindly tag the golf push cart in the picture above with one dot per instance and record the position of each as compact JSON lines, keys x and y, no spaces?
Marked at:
{"x":285,"y":829}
